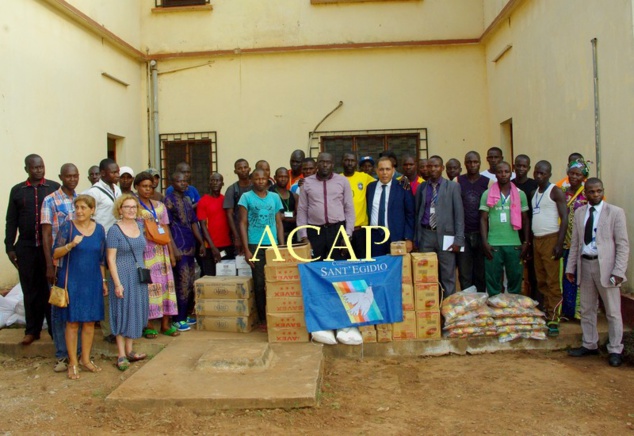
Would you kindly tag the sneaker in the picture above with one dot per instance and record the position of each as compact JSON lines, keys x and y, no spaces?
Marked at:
{"x":191,"y":321}
{"x":61,"y":365}
{"x":181,"y":326}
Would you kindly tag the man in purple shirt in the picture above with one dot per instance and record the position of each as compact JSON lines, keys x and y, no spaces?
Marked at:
{"x":471,"y":261}
{"x":325,"y":201}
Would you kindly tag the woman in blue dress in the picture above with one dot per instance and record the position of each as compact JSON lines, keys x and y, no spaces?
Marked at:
{"x":129,"y":301}
{"x":80,"y":247}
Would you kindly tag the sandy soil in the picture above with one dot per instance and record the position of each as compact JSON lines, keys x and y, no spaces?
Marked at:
{"x":503,"y":393}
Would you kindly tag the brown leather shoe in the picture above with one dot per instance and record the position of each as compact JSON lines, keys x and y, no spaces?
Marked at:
{"x":28,"y":339}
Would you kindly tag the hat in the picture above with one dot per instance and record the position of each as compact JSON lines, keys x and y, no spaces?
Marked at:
{"x":153,"y":171}
{"x":366,"y":159}
{"x":126,"y":170}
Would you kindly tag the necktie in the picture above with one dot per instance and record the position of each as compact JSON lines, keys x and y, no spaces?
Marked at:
{"x":381,"y":220}
{"x":432,"y":210}
{"x":587,"y":237}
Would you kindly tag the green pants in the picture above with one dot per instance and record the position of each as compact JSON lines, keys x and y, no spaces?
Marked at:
{"x":504,"y":258}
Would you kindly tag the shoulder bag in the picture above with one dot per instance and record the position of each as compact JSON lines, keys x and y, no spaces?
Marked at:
{"x":153,"y":230}
{"x":59,"y":296}
{"x":142,"y":273}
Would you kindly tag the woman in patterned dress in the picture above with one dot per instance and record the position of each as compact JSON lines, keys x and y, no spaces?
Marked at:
{"x":159,"y":259}
{"x":577,"y":173}
{"x":129,"y":302}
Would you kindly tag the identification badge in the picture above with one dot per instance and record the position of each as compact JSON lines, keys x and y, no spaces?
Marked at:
{"x":503,"y":217}
{"x":288,"y":214}
{"x":536,"y":211}
{"x":161,"y":230}
{"x":432,"y":210}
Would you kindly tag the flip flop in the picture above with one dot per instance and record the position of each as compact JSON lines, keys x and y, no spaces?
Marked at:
{"x":172,"y":331}
{"x":135,"y":357}
{"x":150,"y":334}
{"x":123,"y":363}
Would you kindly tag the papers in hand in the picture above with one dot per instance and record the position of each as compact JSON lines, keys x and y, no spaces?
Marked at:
{"x":447,"y":242}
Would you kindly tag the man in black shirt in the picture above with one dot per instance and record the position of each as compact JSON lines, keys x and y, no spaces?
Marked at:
{"x":523,"y":182}
{"x":27,"y":254}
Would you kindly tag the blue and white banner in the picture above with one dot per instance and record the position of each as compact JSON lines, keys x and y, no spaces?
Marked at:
{"x":346,"y":294}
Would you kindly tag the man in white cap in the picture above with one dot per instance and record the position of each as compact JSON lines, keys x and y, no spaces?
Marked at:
{"x":126,"y":178}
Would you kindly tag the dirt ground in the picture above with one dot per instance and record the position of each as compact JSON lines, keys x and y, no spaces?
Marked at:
{"x":503,"y":393}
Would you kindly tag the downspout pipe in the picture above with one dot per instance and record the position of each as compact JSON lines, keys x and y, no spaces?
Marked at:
{"x":155,"y":119}
{"x":597,"y":120}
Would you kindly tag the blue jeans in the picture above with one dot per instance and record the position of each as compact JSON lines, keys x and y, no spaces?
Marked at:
{"x":58,"y":326}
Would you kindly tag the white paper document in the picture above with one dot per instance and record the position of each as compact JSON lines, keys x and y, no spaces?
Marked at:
{"x":447,"y":241}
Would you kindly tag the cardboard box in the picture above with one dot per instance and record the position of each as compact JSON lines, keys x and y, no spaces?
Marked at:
{"x":245,"y":272}
{"x":278,"y":289}
{"x":428,"y":324}
{"x":225,"y":307}
{"x":241,"y":262}
{"x":284,"y":304}
{"x":290,"y":320}
{"x":383,"y":332}
{"x":398,"y":248}
{"x":237,"y":324}
{"x":302,"y":251}
{"x":408,"y":296}
{"x":368,"y":333}
{"x":231,"y":288}
{"x":283,"y":272}
{"x":406,"y":330}
{"x":426,"y":296}
{"x":226,"y":268}
{"x":288,"y":335}
{"x":407,"y":268}
{"x":425,"y":267}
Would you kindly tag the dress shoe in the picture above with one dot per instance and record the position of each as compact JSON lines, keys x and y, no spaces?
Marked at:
{"x":615,"y":359}
{"x":581,"y":352}
{"x":28,"y":339}
{"x":111,"y":339}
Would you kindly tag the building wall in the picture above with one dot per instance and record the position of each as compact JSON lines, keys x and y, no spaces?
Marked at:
{"x":545,"y":84}
{"x":56,"y":103}
{"x":264,"y":106}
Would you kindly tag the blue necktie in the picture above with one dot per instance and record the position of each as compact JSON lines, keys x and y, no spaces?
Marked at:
{"x":382,"y":206}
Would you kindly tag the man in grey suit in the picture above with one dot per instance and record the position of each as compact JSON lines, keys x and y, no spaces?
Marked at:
{"x":439,"y":213}
{"x":599,"y":252}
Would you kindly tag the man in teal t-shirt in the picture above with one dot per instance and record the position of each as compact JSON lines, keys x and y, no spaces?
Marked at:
{"x":499,"y":227}
{"x":258,"y":209}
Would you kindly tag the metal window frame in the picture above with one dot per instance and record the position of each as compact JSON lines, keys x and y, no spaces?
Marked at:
{"x":178,"y":3}
{"x":316,"y":145}
{"x":167,"y":138}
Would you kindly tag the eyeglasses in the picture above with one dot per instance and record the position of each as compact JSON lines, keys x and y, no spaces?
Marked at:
{"x":128,"y":207}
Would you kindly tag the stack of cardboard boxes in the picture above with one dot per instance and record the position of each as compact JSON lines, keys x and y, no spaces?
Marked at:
{"x":426,"y":295}
{"x":225,"y":304}
{"x":284,"y":301}
{"x":238,"y":266}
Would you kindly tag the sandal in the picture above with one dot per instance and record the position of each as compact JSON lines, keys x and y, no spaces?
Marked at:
{"x":553,"y":329}
{"x":150,"y":333}
{"x":135,"y":357}
{"x":73,"y":372}
{"x":90,"y":366}
{"x":172,"y":331}
{"x":123,"y":363}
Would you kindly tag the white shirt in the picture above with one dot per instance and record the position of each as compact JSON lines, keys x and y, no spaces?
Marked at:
{"x":591,"y":249}
{"x":103,"y":203}
{"x":374,"y":218}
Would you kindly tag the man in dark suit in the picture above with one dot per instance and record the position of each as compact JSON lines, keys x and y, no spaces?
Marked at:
{"x":389,"y":205}
{"x":599,"y":253}
{"x":440,"y":217}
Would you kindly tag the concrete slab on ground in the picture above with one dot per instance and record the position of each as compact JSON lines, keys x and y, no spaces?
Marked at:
{"x":271,"y":375}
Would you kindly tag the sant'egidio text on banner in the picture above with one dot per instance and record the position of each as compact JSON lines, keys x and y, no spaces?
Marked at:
{"x":346,"y":294}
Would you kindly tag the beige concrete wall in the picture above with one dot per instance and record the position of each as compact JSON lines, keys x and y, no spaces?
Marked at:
{"x":255,"y":23}
{"x":263,"y":107}
{"x":122,"y":17}
{"x":545,"y":83}
{"x":491,"y":9}
{"x":55,"y":101}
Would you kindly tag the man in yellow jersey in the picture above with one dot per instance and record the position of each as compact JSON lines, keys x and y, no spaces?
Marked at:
{"x":359,"y":182}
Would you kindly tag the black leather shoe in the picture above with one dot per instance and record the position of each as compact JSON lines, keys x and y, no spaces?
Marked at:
{"x":581,"y":352}
{"x":615,"y":359}
{"x":111,"y":339}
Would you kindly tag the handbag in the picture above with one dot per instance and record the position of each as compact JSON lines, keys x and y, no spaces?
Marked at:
{"x":59,"y":296}
{"x":142,"y":273}
{"x":153,"y":233}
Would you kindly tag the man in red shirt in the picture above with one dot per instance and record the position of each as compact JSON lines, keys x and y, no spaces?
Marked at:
{"x":213,"y":218}
{"x":295,"y":171}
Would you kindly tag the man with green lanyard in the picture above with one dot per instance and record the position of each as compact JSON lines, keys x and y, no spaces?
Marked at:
{"x":359,"y":182}
{"x":289,"y":200}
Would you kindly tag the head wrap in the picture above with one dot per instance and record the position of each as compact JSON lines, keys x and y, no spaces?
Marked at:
{"x":582,"y":165}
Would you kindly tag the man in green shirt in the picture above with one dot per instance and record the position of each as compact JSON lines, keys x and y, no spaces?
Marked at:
{"x":504,"y":211}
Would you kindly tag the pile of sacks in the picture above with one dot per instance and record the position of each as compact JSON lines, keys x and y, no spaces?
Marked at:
{"x":507,"y":316}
